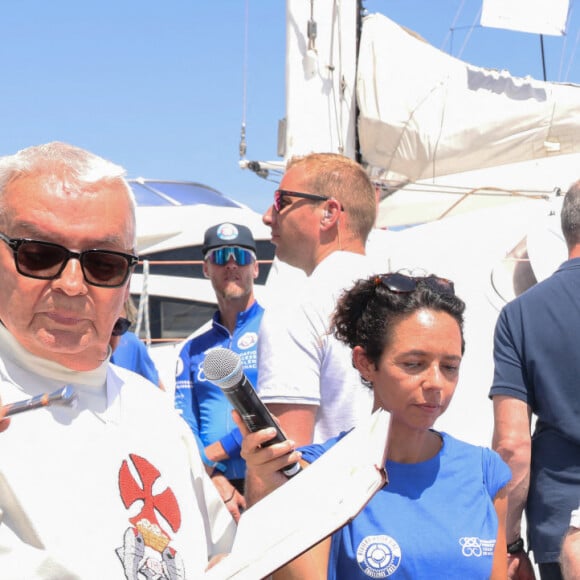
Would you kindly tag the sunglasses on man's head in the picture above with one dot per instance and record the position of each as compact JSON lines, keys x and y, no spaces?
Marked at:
{"x":280,"y":194}
{"x":403,"y":284}
{"x":221,"y":256}
{"x":46,"y":261}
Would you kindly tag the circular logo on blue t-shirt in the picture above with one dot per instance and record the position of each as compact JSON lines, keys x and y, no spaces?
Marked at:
{"x":378,"y":556}
{"x":248,"y":340}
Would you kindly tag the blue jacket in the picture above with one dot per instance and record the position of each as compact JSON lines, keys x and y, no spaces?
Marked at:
{"x":202,"y":404}
{"x":132,"y":354}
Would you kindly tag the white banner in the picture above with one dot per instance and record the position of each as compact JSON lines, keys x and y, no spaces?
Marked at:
{"x":535,"y":16}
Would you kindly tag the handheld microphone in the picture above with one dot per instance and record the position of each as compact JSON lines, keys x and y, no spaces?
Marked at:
{"x":65,"y":396}
{"x":223,"y":368}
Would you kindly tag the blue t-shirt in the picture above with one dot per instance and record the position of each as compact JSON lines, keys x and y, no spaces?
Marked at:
{"x":537,"y":360}
{"x":132,"y":354}
{"x":434,"y":519}
{"x":202,"y":404}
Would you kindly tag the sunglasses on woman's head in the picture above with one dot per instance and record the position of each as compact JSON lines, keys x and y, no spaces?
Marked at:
{"x":402,"y":284}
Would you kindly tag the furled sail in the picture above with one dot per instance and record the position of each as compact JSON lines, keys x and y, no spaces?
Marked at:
{"x":424,"y":114}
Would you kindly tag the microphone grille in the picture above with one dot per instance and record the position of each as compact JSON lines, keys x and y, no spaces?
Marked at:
{"x":222,"y":367}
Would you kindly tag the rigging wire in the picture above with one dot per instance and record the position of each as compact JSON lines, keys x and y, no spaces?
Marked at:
{"x":243,"y":144}
{"x":337,"y":84}
{"x":338,"y":106}
{"x":143,"y":309}
{"x":571,"y":61}
{"x":564,"y":43}
{"x":312,"y":28}
{"x":575,"y":47}
{"x":473,"y":25}
{"x":452,"y":28}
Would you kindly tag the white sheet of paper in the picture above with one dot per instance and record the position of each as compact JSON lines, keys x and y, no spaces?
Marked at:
{"x":310,"y":506}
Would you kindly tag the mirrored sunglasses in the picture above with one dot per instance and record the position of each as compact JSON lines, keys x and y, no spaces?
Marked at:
{"x":46,"y":261}
{"x":221,"y":256}
{"x":403,"y":284}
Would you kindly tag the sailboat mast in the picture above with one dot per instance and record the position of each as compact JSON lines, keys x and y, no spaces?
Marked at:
{"x":359,"y":16}
{"x":321,"y":50}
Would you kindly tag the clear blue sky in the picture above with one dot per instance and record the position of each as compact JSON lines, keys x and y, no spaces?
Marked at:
{"x":159,"y":86}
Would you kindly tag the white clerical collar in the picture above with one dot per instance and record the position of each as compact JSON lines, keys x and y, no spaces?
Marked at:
{"x":12,"y":349}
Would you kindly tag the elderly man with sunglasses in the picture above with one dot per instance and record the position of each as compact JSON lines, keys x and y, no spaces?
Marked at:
{"x":113,"y":487}
{"x":229,"y":252}
{"x":321,"y":217}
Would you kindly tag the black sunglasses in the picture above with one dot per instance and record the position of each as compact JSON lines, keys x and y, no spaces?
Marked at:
{"x":46,"y":261}
{"x":280,"y":194}
{"x":121,"y":326}
{"x":403,"y":284}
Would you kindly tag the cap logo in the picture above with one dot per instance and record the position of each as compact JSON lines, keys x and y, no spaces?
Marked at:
{"x":227,"y":232}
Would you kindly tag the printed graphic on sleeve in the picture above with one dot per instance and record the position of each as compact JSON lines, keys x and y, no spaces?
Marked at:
{"x":146,"y":552}
{"x":476,"y":547}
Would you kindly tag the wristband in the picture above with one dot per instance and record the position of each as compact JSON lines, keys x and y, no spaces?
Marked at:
{"x":221,"y":468}
{"x":214,"y":464}
{"x":516,"y":547}
{"x":232,"y":443}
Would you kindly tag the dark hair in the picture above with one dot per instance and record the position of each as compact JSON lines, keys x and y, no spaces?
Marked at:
{"x":366,"y":314}
{"x":570,"y":216}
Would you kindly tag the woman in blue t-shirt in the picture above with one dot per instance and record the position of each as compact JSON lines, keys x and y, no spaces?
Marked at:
{"x":442,"y":514}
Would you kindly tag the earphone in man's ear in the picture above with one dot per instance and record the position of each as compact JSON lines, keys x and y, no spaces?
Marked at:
{"x":327,"y":214}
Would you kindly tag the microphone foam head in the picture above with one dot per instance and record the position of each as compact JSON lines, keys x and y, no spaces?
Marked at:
{"x":223,"y":367}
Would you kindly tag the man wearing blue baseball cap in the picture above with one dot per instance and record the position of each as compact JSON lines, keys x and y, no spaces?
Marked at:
{"x":229,"y":253}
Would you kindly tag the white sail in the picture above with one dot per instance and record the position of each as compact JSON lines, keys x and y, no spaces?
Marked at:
{"x":424,"y":114}
{"x":534,"y":16}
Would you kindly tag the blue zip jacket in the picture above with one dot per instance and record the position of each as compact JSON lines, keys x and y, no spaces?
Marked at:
{"x":202,"y":404}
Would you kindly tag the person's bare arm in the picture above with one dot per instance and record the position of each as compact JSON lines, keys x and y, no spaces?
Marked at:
{"x":297,"y":421}
{"x":499,"y":567}
{"x":233,"y":499}
{"x":216,"y":452}
{"x":570,"y":555}
{"x":313,"y":564}
{"x":512,"y":440}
